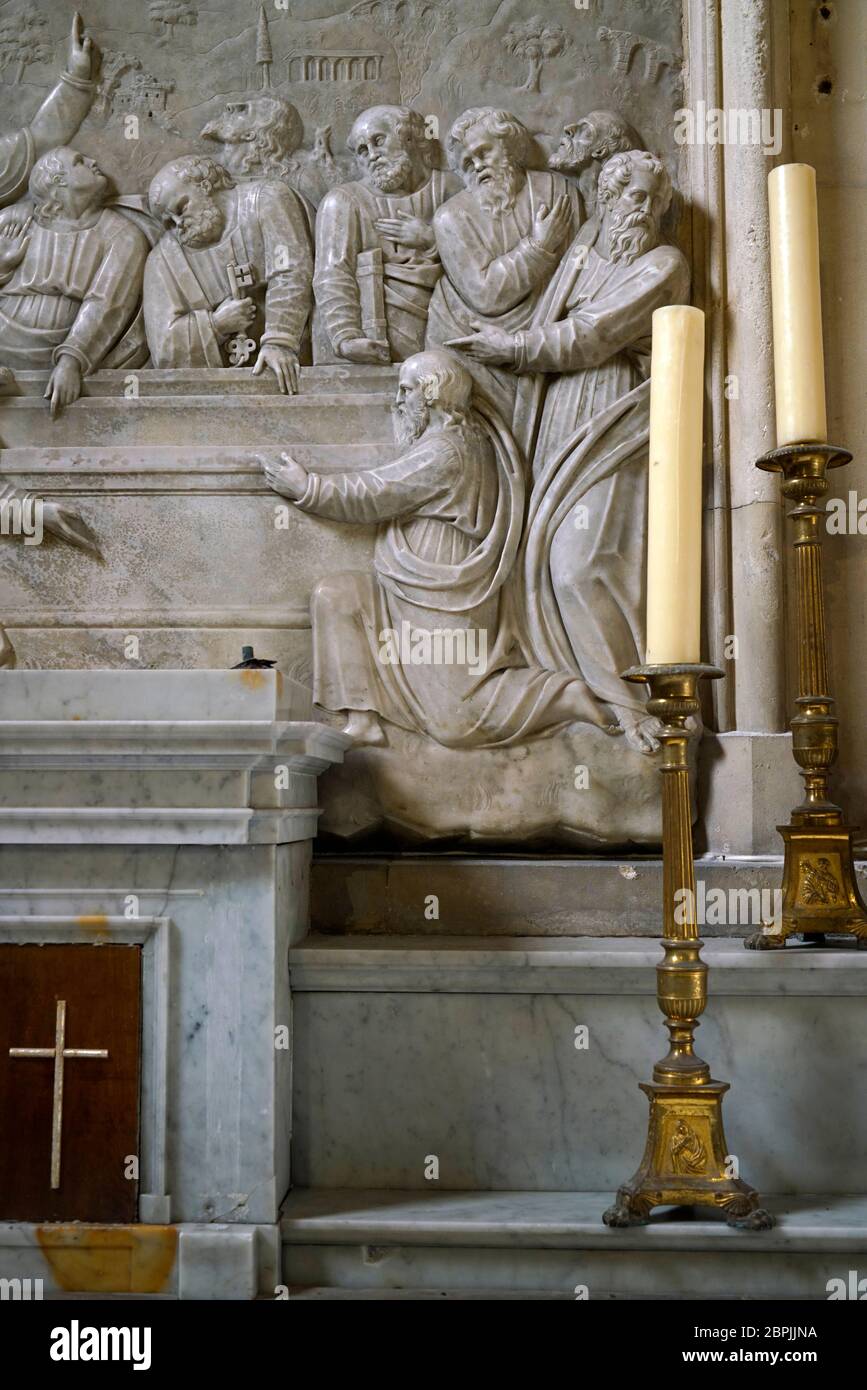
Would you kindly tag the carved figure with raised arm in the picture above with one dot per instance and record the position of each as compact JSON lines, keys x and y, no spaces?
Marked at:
{"x":71,"y":303}
{"x":56,"y":121}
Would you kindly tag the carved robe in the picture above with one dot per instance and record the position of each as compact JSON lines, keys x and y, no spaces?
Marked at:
{"x":345,"y":227}
{"x":266,"y":227}
{"x":584,"y":422}
{"x":494,"y":272}
{"x":450,"y":511}
{"x":77,"y":289}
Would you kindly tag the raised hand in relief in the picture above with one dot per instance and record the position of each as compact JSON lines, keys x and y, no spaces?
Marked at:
{"x":83,"y":53}
{"x":14,"y":242}
{"x":407,"y":230}
{"x":365,"y":350}
{"x":288,"y":478}
{"x":233,"y":316}
{"x":283,"y":362}
{"x":550,"y":229}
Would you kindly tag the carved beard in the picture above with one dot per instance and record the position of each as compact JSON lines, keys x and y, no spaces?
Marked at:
{"x":630,"y":235}
{"x":409,"y":423}
{"x":200,"y":225}
{"x":391,"y":173}
{"x":498,"y":190}
{"x":242,"y":156}
{"x":570,"y":158}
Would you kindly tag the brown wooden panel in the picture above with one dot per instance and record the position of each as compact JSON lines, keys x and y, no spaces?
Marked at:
{"x":102,"y":989}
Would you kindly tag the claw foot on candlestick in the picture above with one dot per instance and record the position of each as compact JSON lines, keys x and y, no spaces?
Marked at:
{"x":765,"y":941}
{"x":628,"y":1210}
{"x":756,"y":1220}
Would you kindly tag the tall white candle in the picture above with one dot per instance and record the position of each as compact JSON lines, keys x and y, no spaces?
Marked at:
{"x":799,"y":367}
{"x":674,"y":508}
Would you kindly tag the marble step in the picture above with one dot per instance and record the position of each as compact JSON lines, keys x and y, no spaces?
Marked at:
{"x":466,"y":1049}
{"x":106,"y":469}
{"x":325,"y":417}
{"x":211,"y":381}
{"x":514,"y":895}
{"x":553,"y":1245}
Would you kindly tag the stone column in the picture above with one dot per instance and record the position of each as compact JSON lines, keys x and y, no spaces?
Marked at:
{"x":754,"y":49}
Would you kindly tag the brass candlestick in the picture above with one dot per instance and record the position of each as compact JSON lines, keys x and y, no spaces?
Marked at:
{"x":686,"y":1161}
{"x":820,"y":891}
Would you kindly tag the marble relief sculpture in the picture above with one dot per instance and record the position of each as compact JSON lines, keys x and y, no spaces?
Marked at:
{"x":57,"y":119}
{"x":513,"y":299}
{"x":376,"y":255}
{"x":71,"y":302}
{"x":586,"y":144}
{"x":582,"y":416}
{"x":500,"y":240}
{"x":450,"y":509}
{"x":235,"y":259}
{"x":259,"y":137}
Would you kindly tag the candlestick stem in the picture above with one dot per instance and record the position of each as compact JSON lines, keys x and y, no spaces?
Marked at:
{"x":820,"y":891}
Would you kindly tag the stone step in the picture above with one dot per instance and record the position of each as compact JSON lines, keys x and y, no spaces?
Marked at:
{"x":54,"y":471}
{"x":554,"y":1245}
{"x":200,"y":420}
{"x":210,"y":381}
{"x":467,"y":1049}
{"x":514,"y":895}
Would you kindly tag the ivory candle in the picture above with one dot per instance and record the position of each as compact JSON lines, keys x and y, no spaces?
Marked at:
{"x":799,"y":368}
{"x":674,"y":504}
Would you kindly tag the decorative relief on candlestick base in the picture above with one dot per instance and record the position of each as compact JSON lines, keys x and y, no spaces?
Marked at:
{"x":686,"y":1161}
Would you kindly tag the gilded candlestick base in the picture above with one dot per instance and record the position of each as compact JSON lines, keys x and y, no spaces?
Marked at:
{"x":686,"y":1161}
{"x":820,"y":890}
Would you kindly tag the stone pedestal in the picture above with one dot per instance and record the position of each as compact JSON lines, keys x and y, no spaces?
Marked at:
{"x":748,"y":784}
{"x":176,"y":809}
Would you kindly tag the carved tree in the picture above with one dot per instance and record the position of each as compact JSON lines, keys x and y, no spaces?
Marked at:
{"x":264,"y":52}
{"x":24,"y":39}
{"x":412,"y":27}
{"x":166,"y":15}
{"x":535,"y":40}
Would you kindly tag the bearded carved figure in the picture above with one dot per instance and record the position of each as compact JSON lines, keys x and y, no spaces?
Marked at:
{"x":376,"y":255}
{"x":422,"y":642}
{"x":500,"y":240}
{"x":259,"y":137}
{"x":582,"y":410}
{"x":586,"y":144}
{"x":235,"y":259}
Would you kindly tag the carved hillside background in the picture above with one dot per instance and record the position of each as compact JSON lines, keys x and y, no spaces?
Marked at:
{"x":547,"y":62}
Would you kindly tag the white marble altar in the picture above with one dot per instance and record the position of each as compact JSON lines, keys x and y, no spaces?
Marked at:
{"x":177,"y":809}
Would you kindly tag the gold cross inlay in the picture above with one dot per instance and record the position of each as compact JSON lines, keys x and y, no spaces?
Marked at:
{"x":59,"y":1052}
